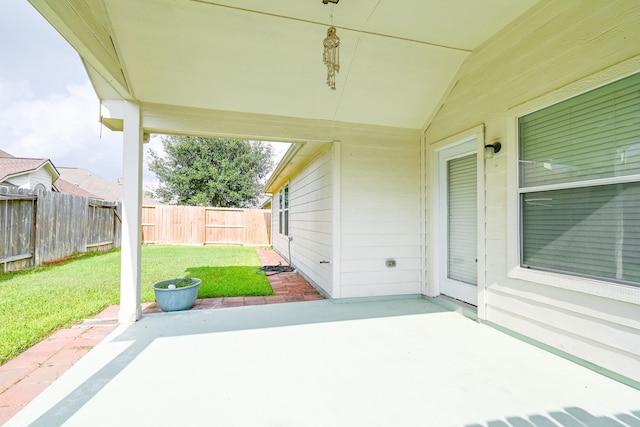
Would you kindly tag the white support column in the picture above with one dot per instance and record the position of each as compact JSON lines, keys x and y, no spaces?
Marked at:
{"x":130,"y":276}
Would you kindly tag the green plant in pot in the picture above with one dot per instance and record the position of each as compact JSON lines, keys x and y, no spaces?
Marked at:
{"x":177,"y":294}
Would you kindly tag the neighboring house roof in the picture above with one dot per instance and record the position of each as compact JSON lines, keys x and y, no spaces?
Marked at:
{"x":77,"y":181}
{"x":64,"y":186}
{"x":85,"y":180}
{"x":11,"y":166}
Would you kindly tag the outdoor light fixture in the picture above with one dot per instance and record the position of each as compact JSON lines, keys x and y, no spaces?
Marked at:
{"x":331,"y":52}
{"x":491,"y":149}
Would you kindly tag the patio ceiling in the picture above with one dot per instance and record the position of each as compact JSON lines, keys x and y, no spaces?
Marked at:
{"x":398,"y":57}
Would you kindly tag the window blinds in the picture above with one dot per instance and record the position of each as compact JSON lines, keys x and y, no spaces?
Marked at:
{"x":462,"y":235}
{"x":591,"y":231}
{"x":569,"y":227}
{"x":592,"y":136}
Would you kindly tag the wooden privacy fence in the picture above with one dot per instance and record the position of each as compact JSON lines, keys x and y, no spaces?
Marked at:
{"x":45,"y":227}
{"x":196,"y":225}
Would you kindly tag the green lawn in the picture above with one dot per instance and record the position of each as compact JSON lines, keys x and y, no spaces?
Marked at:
{"x":36,"y":302}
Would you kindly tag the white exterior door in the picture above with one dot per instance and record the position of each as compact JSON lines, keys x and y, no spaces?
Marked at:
{"x":458,"y":237}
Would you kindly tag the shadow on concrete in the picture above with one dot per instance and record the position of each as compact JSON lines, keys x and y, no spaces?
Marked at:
{"x":569,"y":417}
{"x":173,"y":324}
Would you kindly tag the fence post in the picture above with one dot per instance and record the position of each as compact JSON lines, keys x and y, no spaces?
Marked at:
{"x":34,"y":221}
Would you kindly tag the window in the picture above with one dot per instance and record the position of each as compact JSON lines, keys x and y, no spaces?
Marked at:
{"x":579,"y":185}
{"x":283,"y":214}
{"x":280,"y":210}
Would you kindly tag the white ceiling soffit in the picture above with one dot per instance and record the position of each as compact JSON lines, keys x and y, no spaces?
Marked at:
{"x":256,"y":56}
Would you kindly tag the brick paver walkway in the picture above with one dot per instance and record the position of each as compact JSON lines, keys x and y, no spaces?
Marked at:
{"x":28,"y":374}
{"x":288,"y":287}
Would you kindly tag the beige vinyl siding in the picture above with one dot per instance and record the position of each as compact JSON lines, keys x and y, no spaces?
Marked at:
{"x":553,"y":45}
{"x":380,"y":200}
{"x":21,"y":181}
{"x":41,"y":176}
{"x":31,"y":179}
{"x":310,"y":221}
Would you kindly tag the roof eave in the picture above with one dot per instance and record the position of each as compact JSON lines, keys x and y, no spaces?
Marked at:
{"x":269,"y":187}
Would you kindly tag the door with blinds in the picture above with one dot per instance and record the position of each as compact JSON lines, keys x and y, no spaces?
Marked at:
{"x":457,"y":168}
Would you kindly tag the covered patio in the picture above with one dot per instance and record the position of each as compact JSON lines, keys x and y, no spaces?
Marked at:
{"x":366,"y":182}
{"x":402,"y":362}
{"x":254,"y":70}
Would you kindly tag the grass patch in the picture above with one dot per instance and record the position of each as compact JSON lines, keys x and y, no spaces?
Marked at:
{"x":230,"y":281}
{"x":36,"y":302}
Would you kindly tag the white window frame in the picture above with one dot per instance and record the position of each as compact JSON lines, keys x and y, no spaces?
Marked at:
{"x":284,"y":219}
{"x":280,"y":213}
{"x":602,"y":288}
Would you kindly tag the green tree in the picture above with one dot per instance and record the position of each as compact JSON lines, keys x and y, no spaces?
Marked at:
{"x":216,"y":172}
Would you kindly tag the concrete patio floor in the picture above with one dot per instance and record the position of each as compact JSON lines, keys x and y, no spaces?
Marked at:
{"x":401,"y":362}
{"x":28,"y":374}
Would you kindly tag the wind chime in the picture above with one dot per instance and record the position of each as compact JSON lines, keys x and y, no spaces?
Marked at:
{"x":331,"y":53}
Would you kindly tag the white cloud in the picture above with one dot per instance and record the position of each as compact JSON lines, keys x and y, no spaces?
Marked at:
{"x":61,"y":126}
{"x":150,"y":180}
{"x":12,"y":91}
{"x":48,"y":108}
{"x":64,"y":127}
